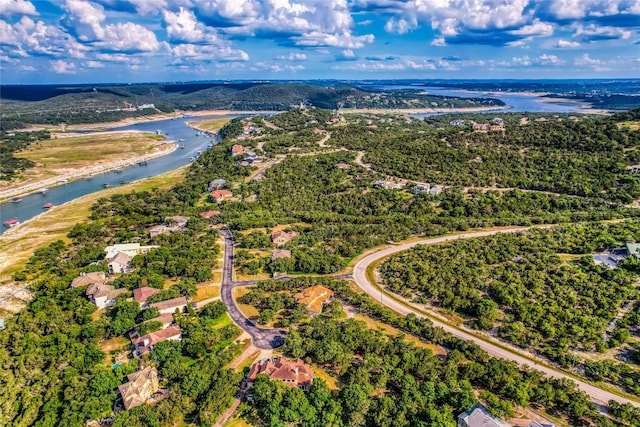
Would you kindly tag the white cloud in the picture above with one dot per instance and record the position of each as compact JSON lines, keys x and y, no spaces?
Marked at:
{"x":183,"y":26}
{"x":293,"y":56}
{"x":585,"y":59}
{"x":128,"y":37}
{"x":93,"y":64}
{"x":438,"y":41}
{"x":84,"y":19}
{"x":63,"y":67}
{"x":276,"y":68}
{"x":566,"y":44}
{"x":547,"y":59}
{"x":593,"y":32}
{"x":206,"y":53}
{"x":17,"y":7}
{"x":537,"y":28}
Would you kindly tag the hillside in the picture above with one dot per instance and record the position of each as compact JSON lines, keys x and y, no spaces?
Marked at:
{"x":25,"y":105}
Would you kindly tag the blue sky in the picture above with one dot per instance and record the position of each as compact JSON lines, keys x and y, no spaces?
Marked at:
{"x":101,"y":41}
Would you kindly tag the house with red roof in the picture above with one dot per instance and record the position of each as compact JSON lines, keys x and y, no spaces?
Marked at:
{"x":141,"y":295}
{"x":221,"y":195}
{"x":145,"y":343}
{"x":294,"y":373}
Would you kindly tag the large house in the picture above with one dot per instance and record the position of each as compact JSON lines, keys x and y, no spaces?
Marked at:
{"x":121,"y":263}
{"x":141,"y":295}
{"x":479,"y":416}
{"x":237,"y":149}
{"x":217,"y":184}
{"x":103,"y":295}
{"x":282,"y":237}
{"x":131,"y":249}
{"x":209,"y":214}
{"x":221,"y":195}
{"x":171,"y":305}
{"x":294,"y":373}
{"x":145,"y":343}
{"x":165,"y":320}
{"x":141,"y":386}
{"x":314,"y":298}
{"x":86,"y":279}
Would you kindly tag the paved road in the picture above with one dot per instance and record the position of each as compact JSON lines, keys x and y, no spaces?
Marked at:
{"x":598,"y":395}
{"x":262,"y":338}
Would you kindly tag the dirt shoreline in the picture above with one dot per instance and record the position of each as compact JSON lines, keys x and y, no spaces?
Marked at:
{"x":98,"y":168}
{"x":421,"y":110}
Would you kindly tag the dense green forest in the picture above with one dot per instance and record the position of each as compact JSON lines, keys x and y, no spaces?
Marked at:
{"x":520,"y":283}
{"x":102,"y":103}
{"x":586,"y":157}
{"x":385,"y":381}
{"x":12,"y":142}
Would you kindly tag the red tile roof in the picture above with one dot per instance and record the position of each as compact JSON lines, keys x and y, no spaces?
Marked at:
{"x":294,"y":373}
{"x":142,"y":294}
{"x":209,"y":214}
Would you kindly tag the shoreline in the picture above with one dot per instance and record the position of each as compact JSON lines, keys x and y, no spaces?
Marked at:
{"x":421,"y":110}
{"x":164,"y":149}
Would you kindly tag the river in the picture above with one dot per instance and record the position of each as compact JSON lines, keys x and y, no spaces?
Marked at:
{"x":173,"y":129}
{"x":176,"y":129}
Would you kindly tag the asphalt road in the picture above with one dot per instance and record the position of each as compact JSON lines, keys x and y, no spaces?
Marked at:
{"x":598,"y":395}
{"x":262,"y":338}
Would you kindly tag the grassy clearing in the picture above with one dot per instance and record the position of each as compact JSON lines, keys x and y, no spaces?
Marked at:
{"x":212,"y":125}
{"x":248,"y":310}
{"x":238,"y":422}
{"x":206,"y":292}
{"x":390,"y":330}
{"x":56,"y":157}
{"x":17,"y":245}
{"x":332,"y":382}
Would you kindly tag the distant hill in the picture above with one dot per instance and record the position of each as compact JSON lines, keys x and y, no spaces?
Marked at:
{"x":24,"y":105}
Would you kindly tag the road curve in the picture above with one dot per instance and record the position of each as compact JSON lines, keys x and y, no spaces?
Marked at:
{"x":262,"y":338}
{"x":598,"y":395}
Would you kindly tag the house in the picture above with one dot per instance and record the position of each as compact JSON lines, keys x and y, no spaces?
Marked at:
{"x":103,"y":295}
{"x":171,"y":305}
{"x":237,"y":149}
{"x":158,"y":229}
{"x":131,"y":249}
{"x":497,"y":121}
{"x":165,"y":319}
{"x":633,"y":249}
{"x":141,"y":386}
{"x":282,"y":237}
{"x":496,"y":128}
{"x":86,"y":279}
{"x":217,"y":184}
{"x":145,"y":343}
{"x":389,"y":185}
{"x":177,"y":220}
{"x":294,"y":373}
{"x":141,"y":295}
{"x":280,"y":254}
{"x":221,"y":195}
{"x":481,"y":127}
{"x":209,"y":214}
{"x":313,"y":298}
{"x":479,"y":416}
{"x":121,"y":263}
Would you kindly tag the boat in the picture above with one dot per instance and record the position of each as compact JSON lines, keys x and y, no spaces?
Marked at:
{"x":106,"y":185}
{"x":199,"y":152}
{"x":16,"y":199}
{"x":143,"y":163}
{"x":191,"y":159}
{"x":43,"y":191}
{"x":182,"y":146}
{"x":117,"y":170}
{"x":48,"y":206}
{"x":124,"y":182}
{"x":11,"y":223}
{"x":181,"y":140}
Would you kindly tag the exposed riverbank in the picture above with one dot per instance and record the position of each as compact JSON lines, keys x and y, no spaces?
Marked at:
{"x":76,"y":174}
{"x":420,"y":110}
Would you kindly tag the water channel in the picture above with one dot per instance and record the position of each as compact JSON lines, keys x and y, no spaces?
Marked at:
{"x":176,"y":129}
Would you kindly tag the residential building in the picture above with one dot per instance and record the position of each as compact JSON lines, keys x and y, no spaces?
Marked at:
{"x":293,"y":373}
{"x":159,"y":229}
{"x":481,"y":127}
{"x":282,"y":237}
{"x":388,"y":185}
{"x":217,"y":184}
{"x":141,"y":386}
{"x":86,"y":279}
{"x":314,"y":298}
{"x":177,"y":220}
{"x":165,"y":319}
{"x":237,"y":149}
{"x":633,"y":249}
{"x":145,"y":343}
{"x":131,"y":249}
{"x":103,"y":295}
{"x":209,"y":214}
{"x":280,"y":254}
{"x":170,"y":306}
{"x":221,"y":195}
{"x":121,"y":263}
{"x":479,"y":416}
{"x":141,"y":295}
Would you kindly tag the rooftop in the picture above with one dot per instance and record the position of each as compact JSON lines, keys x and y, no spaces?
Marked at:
{"x":142,"y":294}
{"x":170,"y":303}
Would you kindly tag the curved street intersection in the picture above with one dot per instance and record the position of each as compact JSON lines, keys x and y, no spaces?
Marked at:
{"x":397,"y":304}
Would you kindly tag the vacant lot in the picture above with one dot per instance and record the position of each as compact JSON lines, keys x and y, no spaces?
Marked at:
{"x":212,"y":125}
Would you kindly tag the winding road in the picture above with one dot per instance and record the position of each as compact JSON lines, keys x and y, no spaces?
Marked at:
{"x":399,"y":305}
{"x":263,"y":338}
